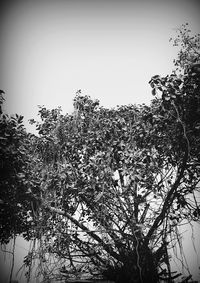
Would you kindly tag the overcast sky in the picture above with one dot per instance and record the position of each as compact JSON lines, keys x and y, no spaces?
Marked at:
{"x":109,"y":49}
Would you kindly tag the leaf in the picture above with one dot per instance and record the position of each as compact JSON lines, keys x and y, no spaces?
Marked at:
{"x":99,"y":196}
{"x":153,"y":91}
{"x":20,"y":119}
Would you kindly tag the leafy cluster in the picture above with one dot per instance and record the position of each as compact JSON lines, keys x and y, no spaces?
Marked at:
{"x":189,"y":48}
{"x":17,"y":181}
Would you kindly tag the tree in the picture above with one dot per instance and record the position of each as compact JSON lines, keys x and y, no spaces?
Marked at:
{"x":116,"y":182}
{"x":112,"y":186}
{"x":16,"y":199}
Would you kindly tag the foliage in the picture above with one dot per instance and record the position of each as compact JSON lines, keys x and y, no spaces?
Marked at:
{"x":117,"y":182}
{"x":15,"y":196}
{"x":189,"y":47}
{"x":106,"y":189}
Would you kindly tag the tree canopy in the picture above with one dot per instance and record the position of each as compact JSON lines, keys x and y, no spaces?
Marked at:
{"x":103,"y":191}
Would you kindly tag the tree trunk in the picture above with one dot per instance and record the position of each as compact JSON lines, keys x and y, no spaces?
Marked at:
{"x":137,"y":267}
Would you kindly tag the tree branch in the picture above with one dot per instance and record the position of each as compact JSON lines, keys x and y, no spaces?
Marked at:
{"x":168,"y":201}
{"x":108,"y":248}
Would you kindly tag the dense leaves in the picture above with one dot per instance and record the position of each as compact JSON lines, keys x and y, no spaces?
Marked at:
{"x":15,"y":170}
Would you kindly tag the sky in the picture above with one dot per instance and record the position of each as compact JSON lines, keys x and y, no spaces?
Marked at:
{"x":107,"y":48}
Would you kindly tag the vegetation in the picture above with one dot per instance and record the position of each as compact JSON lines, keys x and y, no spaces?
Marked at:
{"x":15,"y":193}
{"x":103,"y":191}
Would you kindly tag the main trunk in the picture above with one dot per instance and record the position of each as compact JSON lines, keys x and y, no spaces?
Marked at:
{"x":136,"y":267}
